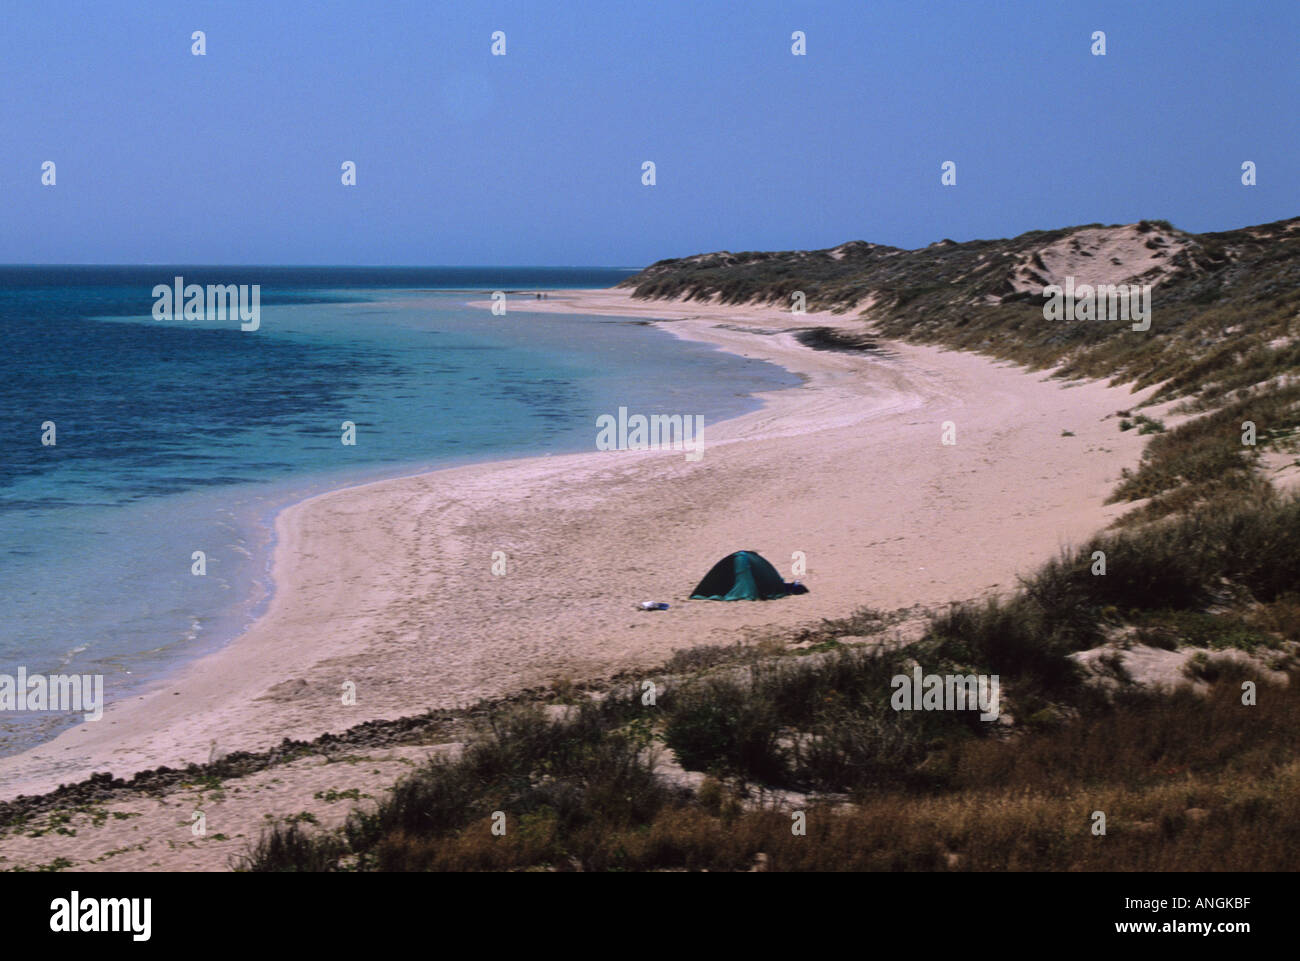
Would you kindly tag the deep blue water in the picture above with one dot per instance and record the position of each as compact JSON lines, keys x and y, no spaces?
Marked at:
{"x":175,"y":436}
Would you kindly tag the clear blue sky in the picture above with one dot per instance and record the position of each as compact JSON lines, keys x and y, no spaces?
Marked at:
{"x":535,"y":157}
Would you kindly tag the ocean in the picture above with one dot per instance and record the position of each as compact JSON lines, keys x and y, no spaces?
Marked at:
{"x":176,"y":436}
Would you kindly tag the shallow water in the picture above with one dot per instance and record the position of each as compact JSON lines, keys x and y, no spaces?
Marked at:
{"x":180,"y":436}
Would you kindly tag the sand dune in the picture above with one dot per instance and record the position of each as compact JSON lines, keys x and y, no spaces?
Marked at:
{"x":1102,"y":255}
{"x":389,"y":586}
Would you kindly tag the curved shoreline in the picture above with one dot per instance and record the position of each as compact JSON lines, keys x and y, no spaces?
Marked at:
{"x":387,"y":585}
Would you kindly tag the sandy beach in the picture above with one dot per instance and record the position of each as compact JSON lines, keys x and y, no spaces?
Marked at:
{"x":390,"y":587}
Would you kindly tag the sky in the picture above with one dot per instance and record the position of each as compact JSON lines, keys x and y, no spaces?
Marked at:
{"x":535,"y":157}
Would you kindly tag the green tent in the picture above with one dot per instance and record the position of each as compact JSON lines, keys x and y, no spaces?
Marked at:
{"x":744,"y":576}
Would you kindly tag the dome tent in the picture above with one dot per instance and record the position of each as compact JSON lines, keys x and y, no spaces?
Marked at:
{"x":744,"y":576}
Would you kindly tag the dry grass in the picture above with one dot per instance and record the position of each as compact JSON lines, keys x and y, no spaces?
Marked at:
{"x":1186,"y":783}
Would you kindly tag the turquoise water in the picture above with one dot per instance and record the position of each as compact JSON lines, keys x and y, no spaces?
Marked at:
{"x":182,"y":436}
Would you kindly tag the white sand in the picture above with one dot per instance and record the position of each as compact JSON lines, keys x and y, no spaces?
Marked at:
{"x":1099,"y":256}
{"x":389,"y":585}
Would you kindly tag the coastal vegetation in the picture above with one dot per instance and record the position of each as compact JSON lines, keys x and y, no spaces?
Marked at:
{"x":1224,"y":337}
{"x":1188,"y":780}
